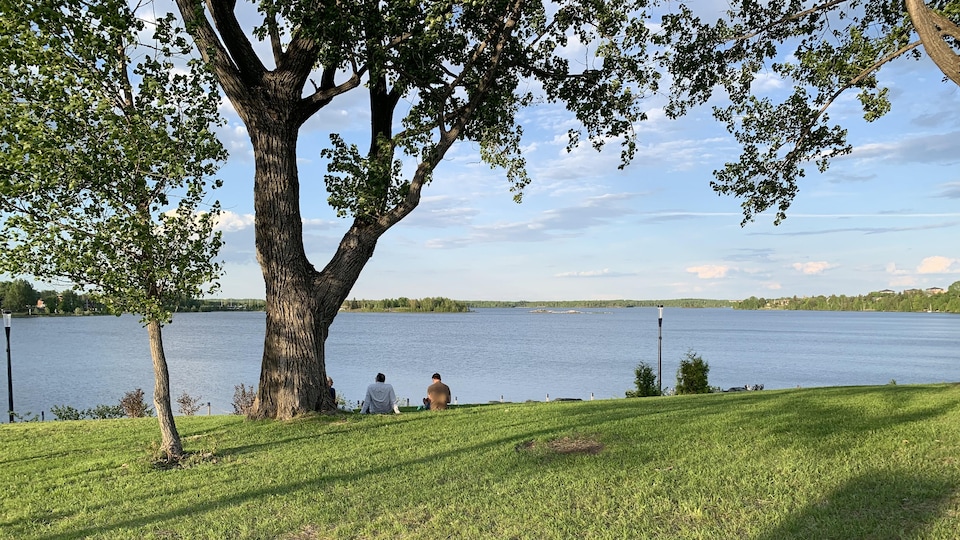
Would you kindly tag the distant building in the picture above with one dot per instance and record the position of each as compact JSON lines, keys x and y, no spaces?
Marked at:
{"x":935,"y":290}
{"x":887,"y":291}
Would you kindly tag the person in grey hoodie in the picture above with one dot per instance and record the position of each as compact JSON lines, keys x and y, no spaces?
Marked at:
{"x":380,"y":398}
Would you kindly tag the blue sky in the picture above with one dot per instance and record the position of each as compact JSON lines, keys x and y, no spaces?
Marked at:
{"x":885,"y":216}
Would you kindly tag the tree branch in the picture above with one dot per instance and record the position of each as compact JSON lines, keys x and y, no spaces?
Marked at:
{"x":235,"y":39}
{"x":787,"y":19}
{"x":848,"y":85}
{"x":448,"y":136}
{"x":211,"y":49}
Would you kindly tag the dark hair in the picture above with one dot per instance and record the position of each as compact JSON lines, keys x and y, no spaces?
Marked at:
{"x":436,"y":376}
{"x":381,"y":377}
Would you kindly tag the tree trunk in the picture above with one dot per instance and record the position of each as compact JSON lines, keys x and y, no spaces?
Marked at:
{"x":937,"y":33}
{"x":292,"y":378}
{"x":301,"y":303}
{"x":170,"y":440}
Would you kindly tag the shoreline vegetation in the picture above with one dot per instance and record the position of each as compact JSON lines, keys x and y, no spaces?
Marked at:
{"x":932,"y":300}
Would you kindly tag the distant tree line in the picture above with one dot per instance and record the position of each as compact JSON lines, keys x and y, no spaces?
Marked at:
{"x":911,"y":300}
{"x":20,"y":296}
{"x":681,"y":302}
{"x":434,"y":305}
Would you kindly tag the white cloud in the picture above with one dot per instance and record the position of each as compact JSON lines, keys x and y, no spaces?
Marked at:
{"x":766,"y":82}
{"x":233,"y":222}
{"x":814,"y":267}
{"x":892,"y":269}
{"x":710,"y":271}
{"x":939,"y":265}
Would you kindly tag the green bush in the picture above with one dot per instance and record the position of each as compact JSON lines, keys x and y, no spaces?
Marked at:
{"x":65,"y":412}
{"x":692,"y":375}
{"x":645,"y":382}
{"x":100,"y":412}
{"x":103,"y":412}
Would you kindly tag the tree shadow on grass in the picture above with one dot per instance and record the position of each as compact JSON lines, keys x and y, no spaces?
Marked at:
{"x":811,"y":418}
{"x":874,"y":505}
{"x":314,"y":482}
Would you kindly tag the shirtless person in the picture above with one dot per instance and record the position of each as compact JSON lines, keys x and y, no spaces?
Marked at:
{"x":438,"y":393}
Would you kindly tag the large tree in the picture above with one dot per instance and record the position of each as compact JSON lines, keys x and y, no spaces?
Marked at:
{"x":107,"y":153}
{"x":824,"y":49}
{"x":434,"y":73}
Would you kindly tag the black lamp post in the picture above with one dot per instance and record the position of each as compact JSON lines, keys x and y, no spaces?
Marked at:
{"x":7,"y":316}
{"x":659,"y":349}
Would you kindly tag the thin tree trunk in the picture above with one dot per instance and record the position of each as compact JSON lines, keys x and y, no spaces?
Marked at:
{"x":170,"y":440}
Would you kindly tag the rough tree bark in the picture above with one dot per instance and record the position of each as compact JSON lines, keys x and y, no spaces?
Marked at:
{"x":934,"y":30}
{"x":169,"y":437}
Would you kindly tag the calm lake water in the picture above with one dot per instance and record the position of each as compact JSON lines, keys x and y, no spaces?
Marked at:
{"x":486,"y":354}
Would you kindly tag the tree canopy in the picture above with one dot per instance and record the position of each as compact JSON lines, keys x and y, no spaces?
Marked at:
{"x":824,"y":49}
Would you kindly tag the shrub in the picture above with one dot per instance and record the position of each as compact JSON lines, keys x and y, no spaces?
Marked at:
{"x":692,"y":375}
{"x":103,"y":412}
{"x":188,"y":405}
{"x":100,"y":412}
{"x":645,"y":381}
{"x":134,"y":406}
{"x":243,"y":399}
{"x":65,"y":412}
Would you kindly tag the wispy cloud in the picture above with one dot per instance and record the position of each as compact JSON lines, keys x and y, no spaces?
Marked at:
{"x":950,"y":190}
{"x":864,"y":230}
{"x":942,"y":148}
{"x":594,"y":274}
{"x":551,"y":224}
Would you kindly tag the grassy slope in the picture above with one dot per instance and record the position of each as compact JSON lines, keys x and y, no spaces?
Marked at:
{"x":862,"y":462}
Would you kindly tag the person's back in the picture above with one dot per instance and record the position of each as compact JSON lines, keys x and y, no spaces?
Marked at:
{"x":438,"y":393}
{"x":380,"y":398}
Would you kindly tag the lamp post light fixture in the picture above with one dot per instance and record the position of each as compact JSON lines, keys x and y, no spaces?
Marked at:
{"x":7,"y":317}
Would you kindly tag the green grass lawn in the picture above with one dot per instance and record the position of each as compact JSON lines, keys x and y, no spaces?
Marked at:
{"x":854,"y":462}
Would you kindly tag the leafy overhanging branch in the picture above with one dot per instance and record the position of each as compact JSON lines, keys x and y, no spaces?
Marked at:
{"x":837,"y":47}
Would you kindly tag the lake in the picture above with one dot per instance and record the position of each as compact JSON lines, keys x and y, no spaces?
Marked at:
{"x":485,"y":355}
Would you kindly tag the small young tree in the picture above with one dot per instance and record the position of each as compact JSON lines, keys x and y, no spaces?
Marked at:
{"x":692,"y":375}
{"x":188,"y":405}
{"x":243,"y":398}
{"x":645,"y":381}
{"x":107,"y":154}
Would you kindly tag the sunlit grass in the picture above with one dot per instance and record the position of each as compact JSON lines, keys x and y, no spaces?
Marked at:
{"x":862,"y":462}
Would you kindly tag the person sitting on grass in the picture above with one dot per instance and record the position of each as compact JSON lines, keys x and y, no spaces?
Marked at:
{"x":438,"y":394}
{"x":380,"y":398}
